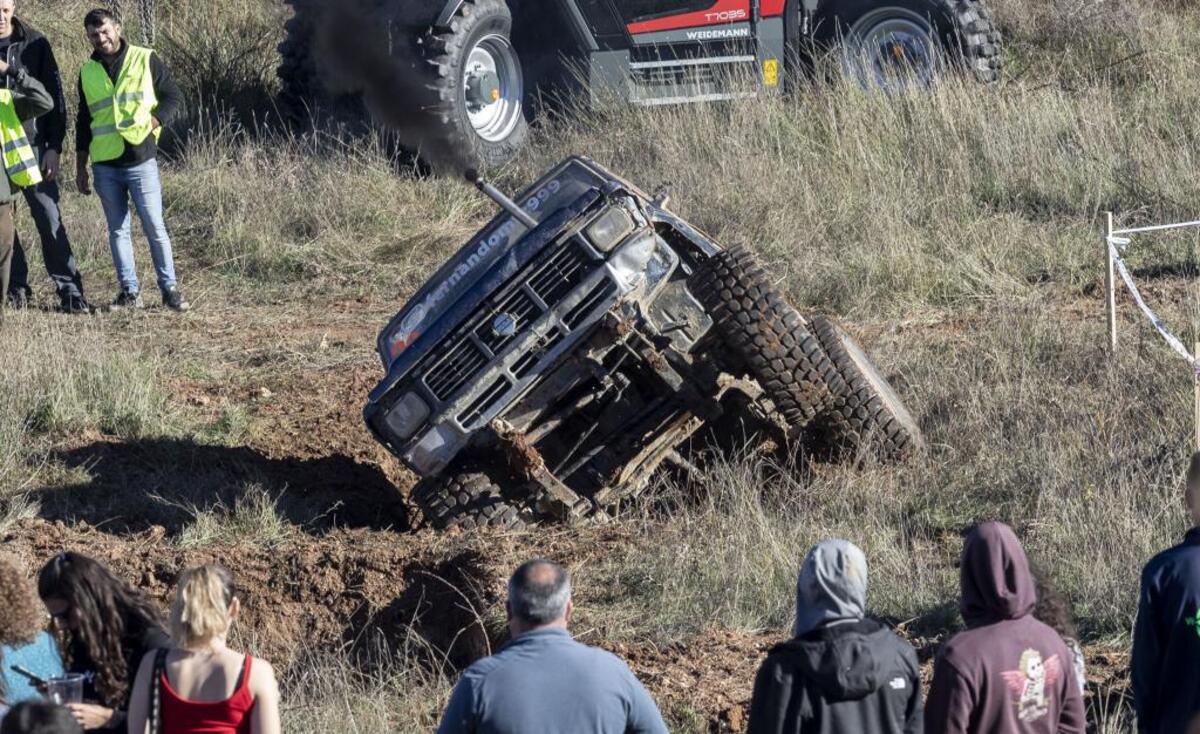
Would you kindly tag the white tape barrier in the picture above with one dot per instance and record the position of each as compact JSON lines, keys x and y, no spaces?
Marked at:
{"x":1172,"y":341}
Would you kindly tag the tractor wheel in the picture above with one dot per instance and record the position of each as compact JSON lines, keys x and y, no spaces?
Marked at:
{"x":767,"y":335}
{"x":898,"y":43}
{"x":465,"y":501}
{"x":305,"y":101}
{"x":479,"y":82}
{"x":867,"y":413}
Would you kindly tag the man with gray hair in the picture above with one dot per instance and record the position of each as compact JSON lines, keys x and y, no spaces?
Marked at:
{"x":543,"y":681}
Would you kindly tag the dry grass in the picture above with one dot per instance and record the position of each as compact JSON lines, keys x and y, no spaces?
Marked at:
{"x":64,"y":379}
{"x":956,"y":228}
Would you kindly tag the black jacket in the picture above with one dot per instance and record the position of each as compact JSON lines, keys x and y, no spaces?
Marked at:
{"x":170,"y":108}
{"x":1165,"y":668}
{"x":857,"y":677}
{"x":29,"y":50}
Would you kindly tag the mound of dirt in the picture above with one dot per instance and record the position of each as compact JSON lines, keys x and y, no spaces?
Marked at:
{"x":711,"y":675}
{"x":336,"y":590}
{"x":349,"y":587}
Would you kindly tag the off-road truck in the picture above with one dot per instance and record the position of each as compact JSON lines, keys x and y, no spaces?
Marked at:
{"x":587,"y":335}
{"x":484,"y":63}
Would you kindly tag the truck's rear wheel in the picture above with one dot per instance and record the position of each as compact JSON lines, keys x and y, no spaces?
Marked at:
{"x":903,"y":42}
{"x":767,"y":334}
{"x":478,"y":81}
{"x":867,"y":413}
{"x":469,"y":500}
{"x":467,"y":77}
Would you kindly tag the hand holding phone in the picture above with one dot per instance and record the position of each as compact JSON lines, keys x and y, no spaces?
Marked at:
{"x":34,"y":678}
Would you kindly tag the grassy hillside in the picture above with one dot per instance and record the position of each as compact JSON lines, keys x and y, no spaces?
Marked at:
{"x":956,"y":230}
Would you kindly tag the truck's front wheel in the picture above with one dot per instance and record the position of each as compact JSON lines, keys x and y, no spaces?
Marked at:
{"x":479,"y":81}
{"x":467,"y":500}
{"x":766,"y":334}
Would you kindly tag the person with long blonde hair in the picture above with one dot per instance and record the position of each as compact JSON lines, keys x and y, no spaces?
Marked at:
{"x":200,"y":685}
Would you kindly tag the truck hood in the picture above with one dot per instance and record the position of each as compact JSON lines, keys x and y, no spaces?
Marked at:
{"x":461,"y":273}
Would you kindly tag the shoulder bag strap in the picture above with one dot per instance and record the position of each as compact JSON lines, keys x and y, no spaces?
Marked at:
{"x":160,"y":669}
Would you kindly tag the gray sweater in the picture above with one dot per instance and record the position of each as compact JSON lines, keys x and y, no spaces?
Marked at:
{"x":31,"y":100}
{"x":544,"y":682}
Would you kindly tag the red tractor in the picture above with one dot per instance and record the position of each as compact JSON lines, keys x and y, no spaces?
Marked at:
{"x":485,"y":63}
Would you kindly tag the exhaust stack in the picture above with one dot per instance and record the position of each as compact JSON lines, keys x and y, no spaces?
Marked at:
{"x":498,"y":196}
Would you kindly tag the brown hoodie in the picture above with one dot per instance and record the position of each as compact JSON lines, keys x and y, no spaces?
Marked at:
{"x":1008,"y":672}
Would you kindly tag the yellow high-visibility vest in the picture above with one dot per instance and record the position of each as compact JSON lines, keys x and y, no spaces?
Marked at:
{"x":121,"y":112}
{"x":20,"y":162}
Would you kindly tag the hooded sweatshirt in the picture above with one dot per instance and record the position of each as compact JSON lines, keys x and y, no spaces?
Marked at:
{"x":1166,"y":640}
{"x":842,"y":672}
{"x":1008,"y":672}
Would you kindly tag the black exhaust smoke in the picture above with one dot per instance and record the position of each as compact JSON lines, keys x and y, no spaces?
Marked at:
{"x":380,"y":59}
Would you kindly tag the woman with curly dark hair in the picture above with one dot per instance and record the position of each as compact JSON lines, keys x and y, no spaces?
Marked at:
{"x":24,"y":641}
{"x":106,"y":628}
{"x":1053,"y":610}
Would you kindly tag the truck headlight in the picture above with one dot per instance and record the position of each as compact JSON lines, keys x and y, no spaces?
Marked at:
{"x":610,"y":228}
{"x":407,"y":416}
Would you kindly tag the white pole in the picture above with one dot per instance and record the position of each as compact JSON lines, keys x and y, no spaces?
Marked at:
{"x":1110,"y":291}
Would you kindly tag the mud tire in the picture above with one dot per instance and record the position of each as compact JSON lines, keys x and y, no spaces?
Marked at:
{"x":465,"y":501}
{"x":867,"y":413}
{"x":966,"y":34}
{"x":447,"y":53}
{"x":767,"y":335}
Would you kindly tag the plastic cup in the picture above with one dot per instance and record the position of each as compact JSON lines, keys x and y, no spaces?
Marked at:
{"x":65,"y":689}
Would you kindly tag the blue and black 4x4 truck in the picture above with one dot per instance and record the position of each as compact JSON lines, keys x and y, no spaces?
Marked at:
{"x":586,"y":336}
{"x":485,"y":63}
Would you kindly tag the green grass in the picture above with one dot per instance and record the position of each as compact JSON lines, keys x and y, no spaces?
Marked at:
{"x":63,"y":379}
{"x":254,"y":518}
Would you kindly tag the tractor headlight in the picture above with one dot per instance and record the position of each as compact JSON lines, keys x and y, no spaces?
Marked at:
{"x":610,"y":228}
{"x":407,"y":416}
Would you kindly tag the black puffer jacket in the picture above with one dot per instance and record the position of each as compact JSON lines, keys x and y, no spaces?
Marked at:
{"x":858,"y":677}
{"x":29,"y":50}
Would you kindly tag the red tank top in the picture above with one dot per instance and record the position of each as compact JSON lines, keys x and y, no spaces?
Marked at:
{"x":231,"y":716}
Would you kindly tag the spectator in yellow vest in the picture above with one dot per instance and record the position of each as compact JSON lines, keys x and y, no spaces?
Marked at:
{"x":126,"y":97}
{"x":25,"y":99}
{"x":22,"y":46}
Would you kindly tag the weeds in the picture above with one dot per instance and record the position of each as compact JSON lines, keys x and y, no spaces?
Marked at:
{"x":254,"y":518}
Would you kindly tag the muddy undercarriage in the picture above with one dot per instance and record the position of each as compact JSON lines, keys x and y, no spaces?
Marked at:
{"x":596,"y":430}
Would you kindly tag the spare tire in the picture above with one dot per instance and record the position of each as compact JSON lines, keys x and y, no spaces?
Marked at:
{"x":766,"y":334}
{"x":468,"y":501}
{"x":867,"y":413}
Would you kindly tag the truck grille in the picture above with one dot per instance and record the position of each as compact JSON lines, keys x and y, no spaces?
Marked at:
{"x":501,"y":319}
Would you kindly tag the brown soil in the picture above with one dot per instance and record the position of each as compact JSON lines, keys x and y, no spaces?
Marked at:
{"x":353,"y":586}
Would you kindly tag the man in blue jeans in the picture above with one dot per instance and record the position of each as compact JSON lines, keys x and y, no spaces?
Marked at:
{"x":543,"y":681}
{"x":126,"y":97}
